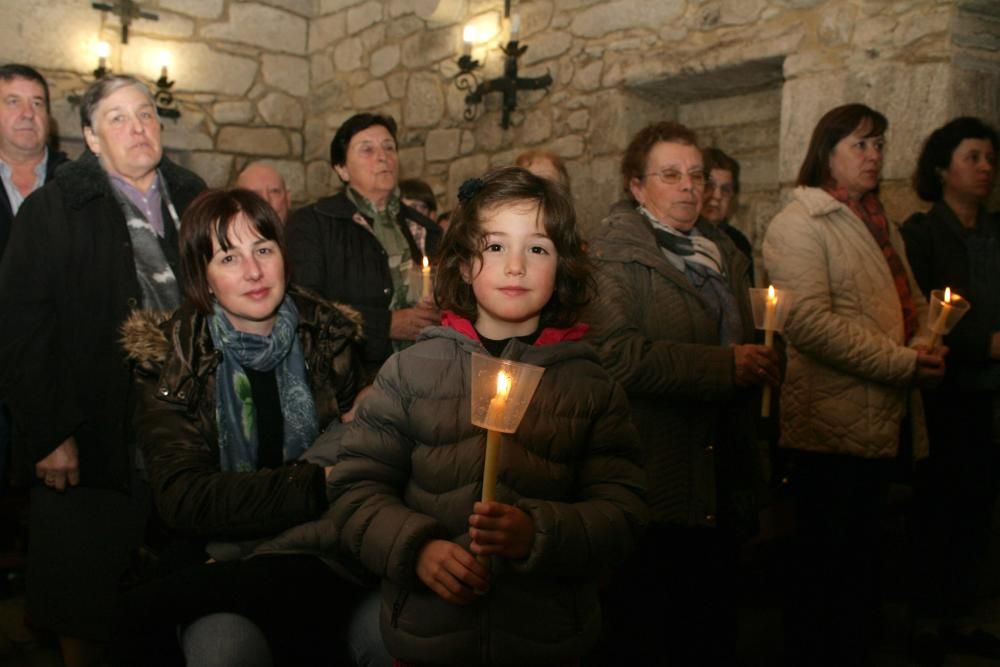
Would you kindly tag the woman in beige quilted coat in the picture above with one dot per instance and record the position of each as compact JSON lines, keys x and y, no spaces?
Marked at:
{"x":857,"y":350}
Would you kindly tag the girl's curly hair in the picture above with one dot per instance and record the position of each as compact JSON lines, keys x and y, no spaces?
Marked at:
{"x":464,"y":243}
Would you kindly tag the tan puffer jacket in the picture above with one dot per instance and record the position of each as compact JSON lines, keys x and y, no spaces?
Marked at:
{"x":850,"y":372}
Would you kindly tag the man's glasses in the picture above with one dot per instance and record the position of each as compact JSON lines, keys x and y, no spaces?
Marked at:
{"x":674,"y":177}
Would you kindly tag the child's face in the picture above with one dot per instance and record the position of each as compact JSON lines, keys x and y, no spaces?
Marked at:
{"x":517,"y":273}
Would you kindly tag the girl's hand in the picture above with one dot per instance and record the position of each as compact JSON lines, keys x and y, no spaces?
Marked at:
{"x":504,"y":530}
{"x":451,"y":572}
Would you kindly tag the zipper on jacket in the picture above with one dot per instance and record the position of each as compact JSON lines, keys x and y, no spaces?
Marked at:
{"x":397,"y":607}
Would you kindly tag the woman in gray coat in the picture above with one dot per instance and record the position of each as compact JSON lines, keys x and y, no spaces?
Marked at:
{"x":672,"y":323}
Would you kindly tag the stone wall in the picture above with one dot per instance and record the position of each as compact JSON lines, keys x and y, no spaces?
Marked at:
{"x":752,"y":76}
{"x":275,"y":78}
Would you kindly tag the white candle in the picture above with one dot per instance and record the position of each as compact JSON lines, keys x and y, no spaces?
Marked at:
{"x":770,"y":317}
{"x":942,"y":320}
{"x":468,"y":37}
{"x":495,"y":413}
{"x":515,"y":27}
{"x":425,"y":274}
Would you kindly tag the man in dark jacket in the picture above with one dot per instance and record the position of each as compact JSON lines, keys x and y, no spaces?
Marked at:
{"x":25,"y":164}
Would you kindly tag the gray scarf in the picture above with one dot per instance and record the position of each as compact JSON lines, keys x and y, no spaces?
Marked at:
{"x":156,"y":278}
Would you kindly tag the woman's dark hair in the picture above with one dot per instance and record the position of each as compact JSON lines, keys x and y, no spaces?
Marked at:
{"x":353,"y":125}
{"x":832,"y":127}
{"x":414,"y":188}
{"x":12,"y":71}
{"x":464,"y":243}
{"x":637,"y":154}
{"x":209,"y":217}
{"x":937,"y":152}
{"x":715,"y":158}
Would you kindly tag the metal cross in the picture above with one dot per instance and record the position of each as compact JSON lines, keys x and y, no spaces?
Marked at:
{"x":128,"y":11}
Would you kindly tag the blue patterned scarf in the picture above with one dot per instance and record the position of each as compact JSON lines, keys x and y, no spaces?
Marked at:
{"x":235,"y":413}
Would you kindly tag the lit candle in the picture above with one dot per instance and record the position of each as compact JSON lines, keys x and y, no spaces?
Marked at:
{"x":164,"y":59}
{"x":103,"y":51}
{"x":515,"y":27}
{"x":497,"y":406}
{"x":942,"y":320}
{"x":468,"y":37}
{"x":425,"y":274}
{"x":770,"y":315}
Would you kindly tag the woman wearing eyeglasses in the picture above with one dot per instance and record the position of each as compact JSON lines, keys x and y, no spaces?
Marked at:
{"x":672,"y":323}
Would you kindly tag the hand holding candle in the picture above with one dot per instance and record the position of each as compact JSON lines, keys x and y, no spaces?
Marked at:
{"x":770,"y":314}
{"x":501,"y":392}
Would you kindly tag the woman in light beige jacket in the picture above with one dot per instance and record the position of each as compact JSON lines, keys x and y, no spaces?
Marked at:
{"x":857,"y":350}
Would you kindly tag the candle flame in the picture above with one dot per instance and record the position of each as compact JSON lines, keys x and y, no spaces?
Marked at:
{"x":102,"y":49}
{"x":503,"y":384}
{"x":771,"y":296}
{"x":426,"y":263}
{"x":947,"y":295}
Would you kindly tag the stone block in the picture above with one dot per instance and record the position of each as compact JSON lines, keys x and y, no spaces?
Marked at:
{"x":321,"y":69}
{"x":535,"y":17}
{"x":320,"y":180}
{"x":289,"y":73}
{"x":741,"y":13}
{"x":232,"y":113}
{"x":372,"y":94}
{"x":596,"y":185}
{"x":468,"y":143}
{"x":403,"y":27}
{"x":548,"y":46}
{"x":326,"y":30}
{"x":836,"y":25}
{"x":347,"y":54}
{"x":306,"y":8}
{"x":568,"y":147}
{"x":578,"y":120}
{"x":489,"y":136}
{"x":265,"y":141}
{"x":281,"y":109}
{"x":588,"y":77}
{"x":608,"y":17}
{"x":203,"y":9}
{"x":255,"y":24}
{"x":537,"y":127}
{"x":400,"y":7}
{"x":442,"y":145}
{"x":360,"y":17}
{"x":317,"y":139}
{"x":423,"y":105}
{"x":396,"y":83}
{"x":873,"y":32}
{"x":411,"y":161}
{"x":215,"y":168}
{"x":429,"y":46}
{"x":384,"y":60}
{"x":804,"y":101}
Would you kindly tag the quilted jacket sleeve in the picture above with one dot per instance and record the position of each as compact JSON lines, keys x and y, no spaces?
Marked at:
{"x":602,"y":529}
{"x":796,"y":257}
{"x":645,"y":366}
{"x":366,"y":486}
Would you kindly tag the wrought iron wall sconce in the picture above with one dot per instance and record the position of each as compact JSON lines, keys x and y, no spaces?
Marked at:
{"x":507,"y":85}
{"x":166,"y":107}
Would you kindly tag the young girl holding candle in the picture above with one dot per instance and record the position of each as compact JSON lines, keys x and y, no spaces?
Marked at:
{"x":570,"y":494}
